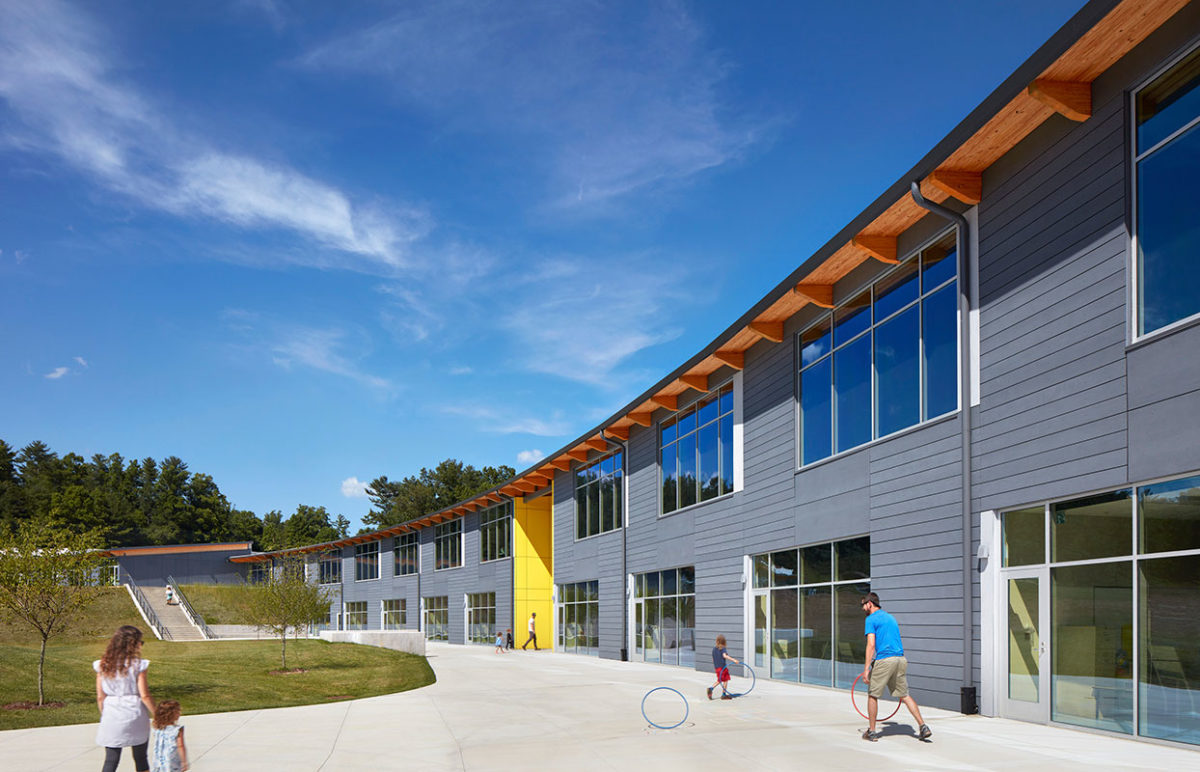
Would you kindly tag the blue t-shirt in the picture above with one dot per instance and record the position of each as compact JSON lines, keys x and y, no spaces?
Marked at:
{"x":887,"y":634}
{"x":718,"y":658}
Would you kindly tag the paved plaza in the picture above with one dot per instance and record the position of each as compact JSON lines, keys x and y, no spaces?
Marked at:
{"x":561,"y":712}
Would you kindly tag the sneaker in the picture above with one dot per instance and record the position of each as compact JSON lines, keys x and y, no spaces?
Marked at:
{"x":870,"y":736}
{"x":710,"y":692}
{"x":727,"y":696}
{"x":925,"y":732}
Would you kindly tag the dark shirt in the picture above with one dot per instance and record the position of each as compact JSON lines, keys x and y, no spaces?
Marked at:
{"x":718,"y":657}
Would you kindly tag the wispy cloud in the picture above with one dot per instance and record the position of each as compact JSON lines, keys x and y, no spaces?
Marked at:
{"x":58,"y":79}
{"x":81,"y":361}
{"x":618,"y":99}
{"x":353,"y":488}
{"x":498,"y":421}
{"x":463,"y":370}
{"x":333,"y":350}
{"x":57,"y":373}
{"x":528,"y":457}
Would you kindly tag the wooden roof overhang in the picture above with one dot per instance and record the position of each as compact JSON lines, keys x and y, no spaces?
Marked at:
{"x":1056,"y":80}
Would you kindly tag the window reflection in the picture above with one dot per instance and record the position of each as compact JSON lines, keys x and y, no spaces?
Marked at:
{"x":696,"y":451}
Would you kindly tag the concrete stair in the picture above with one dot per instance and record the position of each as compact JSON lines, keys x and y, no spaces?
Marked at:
{"x":172,"y":617}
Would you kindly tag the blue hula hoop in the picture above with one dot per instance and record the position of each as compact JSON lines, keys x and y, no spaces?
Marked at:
{"x":753,"y":680}
{"x":686,"y":708}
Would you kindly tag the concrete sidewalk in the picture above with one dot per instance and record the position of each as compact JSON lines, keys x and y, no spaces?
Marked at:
{"x":547,"y":711}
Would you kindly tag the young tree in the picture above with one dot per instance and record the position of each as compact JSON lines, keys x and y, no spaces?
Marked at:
{"x":287,"y":600}
{"x":47,"y":576}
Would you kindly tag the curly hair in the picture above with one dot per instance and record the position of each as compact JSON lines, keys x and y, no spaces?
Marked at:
{"x":166,"y":713}
{"x":122,"y":650}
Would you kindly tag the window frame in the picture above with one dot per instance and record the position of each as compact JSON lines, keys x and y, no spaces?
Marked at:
{"x":618,"y":475}
{"x":329,"y":559}
{"x":733,"y":382}
{"x":1133,"y":264}
{"x":362,"y":553}
{"x":500,"y":519}
{"x":364,"y":611}
{"x":411,"y":541}
{"x":441,"y":537}
{"x":384,"y":612}
{"x":868,"y":286}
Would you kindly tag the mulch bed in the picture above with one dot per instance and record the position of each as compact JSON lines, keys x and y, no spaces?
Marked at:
{"x":26,"y":705}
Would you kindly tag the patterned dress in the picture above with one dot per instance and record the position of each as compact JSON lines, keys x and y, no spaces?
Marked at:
{"x":166,"y":750}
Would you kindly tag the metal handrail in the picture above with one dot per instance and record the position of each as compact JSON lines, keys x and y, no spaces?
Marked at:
{"x":190,"y":612}
{"x":144,"y":605}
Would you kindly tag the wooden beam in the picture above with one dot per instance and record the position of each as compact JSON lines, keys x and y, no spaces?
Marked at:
{"x":538,"y":478}
{"x":596,"y":443}
{"x":512,"y":490}
{"x":578,"y":455}
{"x":618,"y":432}
{"x":561,"y":464}
{"x":966,"y":186}
{"x":817,"y":294}
{"x":697,"y":382}
{"x":1070,"y":99}
{"x":641,"y":419}
{"x":495,"y":498}
{"x":526,"y":487}
{"x":772,"y":331}
{"x":669,"y":401}
{"x":735,"y":359}
{"x":882,"y":248}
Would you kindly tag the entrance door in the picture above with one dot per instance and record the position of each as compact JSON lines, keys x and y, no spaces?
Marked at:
{"x":1024,"y":671}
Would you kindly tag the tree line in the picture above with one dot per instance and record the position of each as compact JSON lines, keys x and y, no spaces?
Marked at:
{"x":133,"y":502}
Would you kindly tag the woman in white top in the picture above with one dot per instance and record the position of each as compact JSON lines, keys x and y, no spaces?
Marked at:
{"x":123,"y":697}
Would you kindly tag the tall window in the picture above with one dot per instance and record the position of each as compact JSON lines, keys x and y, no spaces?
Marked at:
{"x":884,"y":360}
{"x":366,"y":561}
{"x":1167,"y":161}
{"x":407,"y":554}
{"x":578,"y":610}
{"x":495,"y":532}
{"x":481,"y":617}
{"x":356,"y":615}
{"x":447,"y":545}
{"x":1111,"y":558}
{"x":808,"y":623}
{"x":696,"y":450}
{"x":599,"y":490}
{"x":394,"y":614}
{"x":259,"y":571}
{"x":330,"y":568}
{"x":437,"y":618}
{"x":664,"y":612}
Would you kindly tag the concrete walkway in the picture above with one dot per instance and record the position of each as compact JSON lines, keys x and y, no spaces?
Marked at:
{"x":549,"y":711}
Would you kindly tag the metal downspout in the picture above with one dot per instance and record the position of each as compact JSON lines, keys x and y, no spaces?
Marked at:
{"x":968,"y":692}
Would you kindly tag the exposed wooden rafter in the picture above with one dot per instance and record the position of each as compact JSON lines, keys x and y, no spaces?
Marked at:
{"x":1070,"y":99}
{"x":538,"y":478}
{"x":642,"y":419}
{"x":772,"y":331}
{"x":882,"y":248}
{"x":966,"y":186}
{"x":525,"y":486}
{"x":596,"y":443}
{"x":561,"y":464}
{"x":578,"y":455}
{"x":735,"y":359}
{"x":697,"y":382}
{"x":618,"y":432}
{"x":669,"y":401}
{"x":817,"y":294}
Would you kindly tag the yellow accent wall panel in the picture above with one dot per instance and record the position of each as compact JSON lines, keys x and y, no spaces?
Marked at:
{"x":533,"y":569}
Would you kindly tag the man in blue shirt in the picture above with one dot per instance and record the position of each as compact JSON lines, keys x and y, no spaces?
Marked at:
{"x":886,"y":667}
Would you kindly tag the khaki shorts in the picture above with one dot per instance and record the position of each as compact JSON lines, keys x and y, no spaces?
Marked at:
{"x":891,"y":673}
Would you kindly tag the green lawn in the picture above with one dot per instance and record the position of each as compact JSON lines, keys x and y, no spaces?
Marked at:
{"x":219,"y":604}
{"x":205,"y":676}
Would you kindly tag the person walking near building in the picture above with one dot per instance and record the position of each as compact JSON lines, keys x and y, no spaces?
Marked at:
{"x":721,"y":660}
{"x":886,"y":667}
{"x":532,"y":631}
{"x":123,"y":697}
{"x":499,"y":642}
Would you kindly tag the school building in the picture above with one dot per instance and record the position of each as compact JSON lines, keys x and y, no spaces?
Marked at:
{"x":980,"y":399}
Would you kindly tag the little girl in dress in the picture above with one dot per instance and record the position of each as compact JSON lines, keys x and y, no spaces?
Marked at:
{"x":170,"y":754}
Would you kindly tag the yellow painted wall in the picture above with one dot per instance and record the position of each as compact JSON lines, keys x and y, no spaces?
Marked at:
{"x":533,"y":569}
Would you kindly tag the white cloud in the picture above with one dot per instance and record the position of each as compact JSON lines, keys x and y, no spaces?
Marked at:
{"x":615,"y":98}
{"x":502,"y":422}
{"x":82,"y":362}
{"x":528,"y":457}
{"x":57,"y":373}
{"x":353,"y":488}
{"x":58,"y":80}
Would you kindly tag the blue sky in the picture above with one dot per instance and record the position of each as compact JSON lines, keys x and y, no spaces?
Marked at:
{"x":301,"y":245}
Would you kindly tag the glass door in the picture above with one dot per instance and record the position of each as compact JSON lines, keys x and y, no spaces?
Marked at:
{"x":1025,"y":668}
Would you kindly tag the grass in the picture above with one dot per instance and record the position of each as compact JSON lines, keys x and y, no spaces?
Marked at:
{"x":205,"y":676}
{"x":219,"y":604}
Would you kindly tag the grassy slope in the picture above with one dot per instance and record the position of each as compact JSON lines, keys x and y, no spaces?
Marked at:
{"x":219,"y":604}
{"x":204,"y":676}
